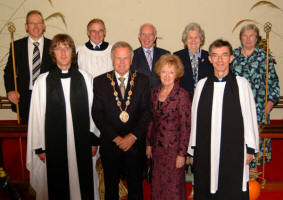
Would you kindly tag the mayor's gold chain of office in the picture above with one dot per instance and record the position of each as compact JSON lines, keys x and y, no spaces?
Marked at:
{"x":124,"y":115}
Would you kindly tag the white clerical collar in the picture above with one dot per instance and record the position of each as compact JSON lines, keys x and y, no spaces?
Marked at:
{"x":94,"y":45}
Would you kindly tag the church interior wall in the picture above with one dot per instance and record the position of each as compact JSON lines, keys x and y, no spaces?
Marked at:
{"x":124,"y":17}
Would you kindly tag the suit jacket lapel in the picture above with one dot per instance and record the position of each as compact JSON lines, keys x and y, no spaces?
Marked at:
{"x":170,"y":96}
{"x":25,"y":59}
{"x":117,"y":88}
{"x":128,"y":86}
{"x":168,"y":99}
{"x":119,"y":91}
{"x":200,"y":64}
{"x":155,"y":55}
{"x":187,"y":65}
{"x":44,"y":52}
{"x":145,"y":63}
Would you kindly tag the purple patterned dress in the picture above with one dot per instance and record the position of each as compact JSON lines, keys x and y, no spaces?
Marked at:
{"x":168,"y":134}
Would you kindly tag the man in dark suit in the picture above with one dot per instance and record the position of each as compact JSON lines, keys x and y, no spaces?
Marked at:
{"x":32,"y":58}
{"x":121,"y":112}
{"x":146,"y":56}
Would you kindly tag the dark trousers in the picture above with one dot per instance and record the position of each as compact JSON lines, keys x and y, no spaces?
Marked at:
{"x":116,"y":163}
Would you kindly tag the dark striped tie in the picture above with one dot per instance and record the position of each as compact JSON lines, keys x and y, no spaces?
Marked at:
{"x":35,"y":62}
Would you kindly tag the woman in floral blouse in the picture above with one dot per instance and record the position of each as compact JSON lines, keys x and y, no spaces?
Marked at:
{"x":250,"y":62}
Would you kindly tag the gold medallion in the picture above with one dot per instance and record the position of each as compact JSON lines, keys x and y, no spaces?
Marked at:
{"x":124,"y":116}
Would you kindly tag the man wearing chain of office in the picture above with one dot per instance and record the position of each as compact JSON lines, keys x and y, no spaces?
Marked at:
{"x":121,"y":113}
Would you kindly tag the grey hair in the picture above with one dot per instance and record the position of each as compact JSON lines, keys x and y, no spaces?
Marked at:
{"x":148,"y":24}
{"x":121,"y":44}
{"x":249,"y":27}
{"x":193,"y":27}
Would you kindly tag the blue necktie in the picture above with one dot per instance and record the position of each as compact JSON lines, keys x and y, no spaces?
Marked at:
{"x":194,"y":63}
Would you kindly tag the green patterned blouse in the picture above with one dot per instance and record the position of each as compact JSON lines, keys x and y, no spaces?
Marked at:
{"x":253,"y":68}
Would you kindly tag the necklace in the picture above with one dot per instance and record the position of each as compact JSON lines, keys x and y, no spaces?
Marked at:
{"x":124,"y":115}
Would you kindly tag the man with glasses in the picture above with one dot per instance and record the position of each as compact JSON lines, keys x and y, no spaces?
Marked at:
{"x":94,"y":57}
{"x":224,"y":133}
{"x":31,"y":58}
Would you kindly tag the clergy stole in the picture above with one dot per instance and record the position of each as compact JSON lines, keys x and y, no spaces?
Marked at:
{"x":232,"y":143}
{"x":56,"y":135}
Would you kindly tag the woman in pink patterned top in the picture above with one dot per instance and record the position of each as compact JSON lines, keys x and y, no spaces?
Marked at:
{"x":169,"y":131}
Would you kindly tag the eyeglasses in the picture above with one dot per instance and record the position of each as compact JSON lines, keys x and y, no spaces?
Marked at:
{"x":147,"y":35}
{"x":253,"y":36}
{"x":97,"y":32}
{"x":33,"y":24}
{"x":224,"y":56}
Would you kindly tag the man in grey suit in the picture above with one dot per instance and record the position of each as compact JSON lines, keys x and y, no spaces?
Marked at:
{"x":146,"y":56}
{"x":32,"y":58}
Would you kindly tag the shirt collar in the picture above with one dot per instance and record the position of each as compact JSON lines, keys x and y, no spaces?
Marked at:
{"x":198,"y":54}
{"x":145,"y":49}
{"x":94,"y":45}
{"x":32,"y":41}
{"x":223,"y":79}
{"x":118,"y":75}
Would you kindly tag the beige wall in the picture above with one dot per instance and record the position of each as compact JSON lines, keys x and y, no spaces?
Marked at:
{"x":123,"y":18}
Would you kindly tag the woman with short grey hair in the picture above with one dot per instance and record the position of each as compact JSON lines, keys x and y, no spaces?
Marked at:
{"x":250,"y":62}
{"x":193,"y":27}
{"x":194,"y":59}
